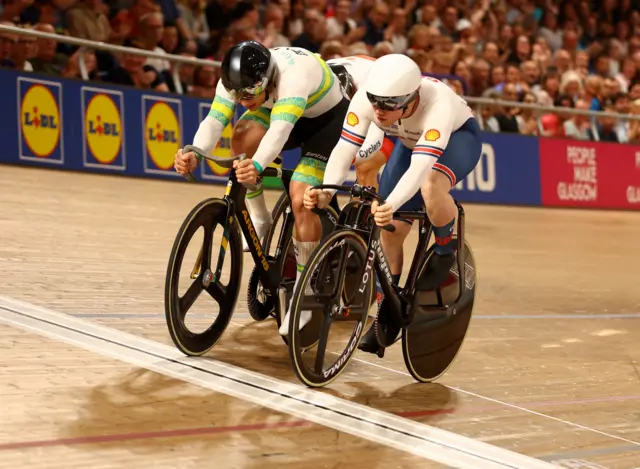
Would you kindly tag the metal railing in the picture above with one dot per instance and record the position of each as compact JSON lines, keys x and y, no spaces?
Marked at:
{"x":479,"y":103}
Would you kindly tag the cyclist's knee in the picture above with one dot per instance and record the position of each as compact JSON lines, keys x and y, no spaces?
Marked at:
{"x":246,"y":138}
{"x":296,"y":194}
{"x":436,"y":188}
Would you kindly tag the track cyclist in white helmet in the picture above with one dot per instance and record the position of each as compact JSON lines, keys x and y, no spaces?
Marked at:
{"x":293,"y":100}
{"x":439,"y":144}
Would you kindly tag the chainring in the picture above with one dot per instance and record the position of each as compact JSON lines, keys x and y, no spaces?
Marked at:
{"x":387,"y":330}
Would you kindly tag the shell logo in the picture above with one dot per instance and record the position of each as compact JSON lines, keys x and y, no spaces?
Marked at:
{"x":40,"y":121}
{"x":432,"y":135}
{"x":352,"y":119}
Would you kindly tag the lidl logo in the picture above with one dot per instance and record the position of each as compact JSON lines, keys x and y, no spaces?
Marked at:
{"x":162,"y":133}
{"x":210,"y":170}
{"x":40,"y":132}
{"x":103,"y":129}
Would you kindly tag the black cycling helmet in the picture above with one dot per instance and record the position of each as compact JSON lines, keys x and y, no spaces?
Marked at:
{"x":346,"y":80}
{"x":247,"y":67}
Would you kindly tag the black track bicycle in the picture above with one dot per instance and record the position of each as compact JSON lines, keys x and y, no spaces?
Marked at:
{"x":432,"y":324}
{"x":219,"y":222}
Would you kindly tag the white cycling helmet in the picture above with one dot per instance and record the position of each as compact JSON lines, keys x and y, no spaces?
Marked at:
{"x":393,"y":82}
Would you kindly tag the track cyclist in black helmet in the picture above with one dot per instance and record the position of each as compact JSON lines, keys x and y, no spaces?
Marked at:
{"x":293,"y":100}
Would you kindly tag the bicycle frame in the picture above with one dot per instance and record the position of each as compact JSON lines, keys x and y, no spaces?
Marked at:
{"x":399,"y":298}
{"x":237,"y":210}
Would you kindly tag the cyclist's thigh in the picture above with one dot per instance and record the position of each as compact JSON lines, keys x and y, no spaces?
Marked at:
{"x":321,"y":136}
{"x":398,"y":164}
{"x":462,"y":153}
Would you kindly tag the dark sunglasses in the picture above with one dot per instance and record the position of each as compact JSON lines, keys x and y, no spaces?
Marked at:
{"x":390,"y":103}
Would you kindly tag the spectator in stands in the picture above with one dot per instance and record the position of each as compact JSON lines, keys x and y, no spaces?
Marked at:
{"x":192,"y":14}
{"x":151,"y":33}
{"x":133,"y":72}
{"x":332,"y":50}
{"x":23,"y":49}
{"x":634,"y":90}
{"x":497,"y":76}
{"x":633,"y":131}
{"x":87,"y":19}
{"x":314,"y":33}
{"x":204,"y":82}
{"x":578,"y":125}
{"x":372,"y":30}
{"x":479,"y":77}
{"x":593,"y":92}
{"x":605,"y":127}
{"x":340,"y":26}
{"x":506,"y":116}
{"x":396,"y":32}
{"x":527,"y":122}
{"x":185,"y":72}
{"x":628,"y":72}
{"x":7,"y":42}
{"x":571,"y":84}
{"x":46,"y":59}
{"x":273,"y":23}
{"x":170,"y":38}
{"x":621,"y":105}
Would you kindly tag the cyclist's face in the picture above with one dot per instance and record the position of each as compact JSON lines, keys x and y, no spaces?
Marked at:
{"x":386,"y":118}
{"x":254,"y":102}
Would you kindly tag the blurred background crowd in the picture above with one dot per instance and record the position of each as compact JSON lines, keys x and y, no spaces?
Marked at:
{"x":571,"y":53}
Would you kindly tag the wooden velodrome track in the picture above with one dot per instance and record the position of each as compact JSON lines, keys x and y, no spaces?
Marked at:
{"x":549,"y":370}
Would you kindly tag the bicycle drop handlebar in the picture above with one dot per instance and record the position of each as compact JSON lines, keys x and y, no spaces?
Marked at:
{"x":224,"y":162}
{"x":365,"y":192}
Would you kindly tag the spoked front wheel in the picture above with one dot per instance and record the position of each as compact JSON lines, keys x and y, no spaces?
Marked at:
{"x":330,"y":302}
{"x":432,"y":341}
{"x":191,"y":272}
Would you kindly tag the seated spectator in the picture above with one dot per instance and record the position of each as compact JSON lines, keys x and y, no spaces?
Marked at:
{"x":340,"y":26}
{"x":204,"y":82}
{"x":185,"y":72}
{"x":382,"y":48}
{"x":23,"y":49}
{"x":151,"y":33}
{"x":7,"y":43}
{"x":46,"y":59}
{"x":553,"y":122}
{"x":396,"y":32}
{"x":332,"y":50}
{"x":134,"y":72}
{"x":571,"y":84}
{"x":314,"y":33}
{"x":192,"y":14}
{"x":488,"y":113}
{"x":506,"y":116}
{"x":527,"y":122}
{"x":170,"y":41}
{"x":633,"y":130}
{"x":373,"y":27}
{"x":72,"y":66}
{"x":419,"y":37}
{"x":87,"y":20}
{"x":578,"y":125}
{"x":622,"y":105}
{"x":273,"y":22}
{"x":605,"y":127}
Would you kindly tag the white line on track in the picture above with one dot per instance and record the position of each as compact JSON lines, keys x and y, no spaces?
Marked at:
{"x":395,"y":432}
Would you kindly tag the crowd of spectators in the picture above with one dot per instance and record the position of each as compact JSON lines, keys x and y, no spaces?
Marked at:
{"x":571,"y":53}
